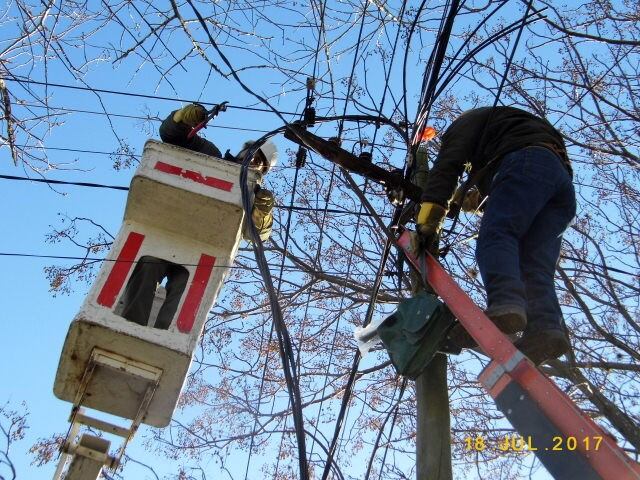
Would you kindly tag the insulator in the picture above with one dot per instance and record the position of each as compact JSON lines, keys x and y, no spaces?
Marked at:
{"x":310,"y":116}
{"x":301,"y":157}
{"x":366,"y":157}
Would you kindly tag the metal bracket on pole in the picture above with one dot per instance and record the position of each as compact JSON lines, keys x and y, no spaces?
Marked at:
{"x":87,"y":456}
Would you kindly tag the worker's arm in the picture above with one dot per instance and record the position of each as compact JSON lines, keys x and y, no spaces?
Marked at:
{"x":176,"y":127}
{"x":262,"y":214}
{"x":455,"y":153}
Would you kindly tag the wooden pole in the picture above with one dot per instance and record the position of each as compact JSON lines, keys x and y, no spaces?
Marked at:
{"x":433,"y":425}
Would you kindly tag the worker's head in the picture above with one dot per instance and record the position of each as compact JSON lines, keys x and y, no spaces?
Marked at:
{"x":265,"y":157}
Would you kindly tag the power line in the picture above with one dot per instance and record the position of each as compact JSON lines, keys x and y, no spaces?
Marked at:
{"x":135,"y":117}
{"x":273,"y":326}
{"x":285,"y":347}
{"x":62,"y":182}
{"x":104,"y":259}
{"x":140,"y":95}
{"x":372,"y":144}
{"x":394,"y":410}
{"x":78,"y":150}
{"x":480,"y":139}
{"x":114,"y":153}
{"x":123,"y":188}
{"x":114,"y":260}
{"x":382,"y":101}
{"x":437,"y":53}
{"x":132,"y":94}
{"x":117,"y":154}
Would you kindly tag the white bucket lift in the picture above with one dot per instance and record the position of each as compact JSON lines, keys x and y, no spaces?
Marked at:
{"x":184,"y":208}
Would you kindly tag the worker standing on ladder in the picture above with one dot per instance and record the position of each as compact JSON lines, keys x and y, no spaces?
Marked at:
{"x":150,"y":271}
{"x":520,"y":162}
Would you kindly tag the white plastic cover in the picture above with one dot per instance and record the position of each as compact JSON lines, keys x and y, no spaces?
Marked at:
{"x":367,"y":336}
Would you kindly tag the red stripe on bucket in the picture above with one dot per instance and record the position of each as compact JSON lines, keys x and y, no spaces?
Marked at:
{"x":120,"y":270}
{"x":196,"y":291}
{"x":194,"y":176}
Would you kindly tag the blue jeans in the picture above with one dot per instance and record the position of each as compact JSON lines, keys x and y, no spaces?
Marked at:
{"x":531,"y":203}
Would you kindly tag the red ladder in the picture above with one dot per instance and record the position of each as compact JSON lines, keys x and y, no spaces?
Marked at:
{"x":569,"y":444}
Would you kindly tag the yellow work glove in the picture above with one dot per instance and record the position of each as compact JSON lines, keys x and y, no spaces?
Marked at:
{"x":429,"y":223}
{"x":262,"y":213}
{"x":190,"y":115}
{"x":471,"y":201}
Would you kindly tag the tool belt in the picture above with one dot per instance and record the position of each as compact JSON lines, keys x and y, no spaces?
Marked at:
{"x":415,"y":333}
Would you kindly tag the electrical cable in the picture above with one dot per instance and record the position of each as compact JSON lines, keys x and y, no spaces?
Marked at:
{"x":104,"y":259}
{"x":338,"y":316}
{"x":123,"y":188}
{"x":369,"y":314}
{"x":266,"y":362}
{"x":353,"y":68}
{"x":131,"y":94}
{"x":481,"y":46}
{"x":393,"y":421}
{"x":331,"y":179}
{"x":304,"y":317}
{"x":434,"y":73}
{"x":135,"y":117}
{"x":135,"y":155}
{"x":62,"y":182}
{"x":346,"y":397}
{"x":406,"y":58}
{"x":308,"y":102}
{"x":350,"y":382}
{"x":284,"y":340}
{"x":79,"y":150}
{"x":112,"y":260}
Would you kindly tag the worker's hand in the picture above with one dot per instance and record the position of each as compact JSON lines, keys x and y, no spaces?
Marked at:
{"x":471,"y":201}
{"x":190,"y":115}
{"x":429,"y":223}
{"x":264,"y":201}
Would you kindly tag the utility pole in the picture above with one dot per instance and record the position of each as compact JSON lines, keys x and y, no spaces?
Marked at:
{"x":433,"y":426}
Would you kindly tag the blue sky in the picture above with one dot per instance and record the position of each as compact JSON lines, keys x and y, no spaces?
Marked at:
{"x":34,"y":322}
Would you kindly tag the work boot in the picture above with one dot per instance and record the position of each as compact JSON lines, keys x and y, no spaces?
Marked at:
{"x":510,"y":319}
{"x":543,"y":345}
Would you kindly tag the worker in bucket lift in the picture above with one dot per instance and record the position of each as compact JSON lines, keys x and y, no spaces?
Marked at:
{"x":150,"y":271}
{"x":520,"y":162}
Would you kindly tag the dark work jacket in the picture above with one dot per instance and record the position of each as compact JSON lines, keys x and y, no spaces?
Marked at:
{"x":176,"y":133}
{"x":510,"y":129}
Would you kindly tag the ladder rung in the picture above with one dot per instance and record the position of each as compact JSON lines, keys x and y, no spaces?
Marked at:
{"x":127,"y":365}
{"x":92,"y":454}
{"x":102,"y":425}
{"x":88,"y":456}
